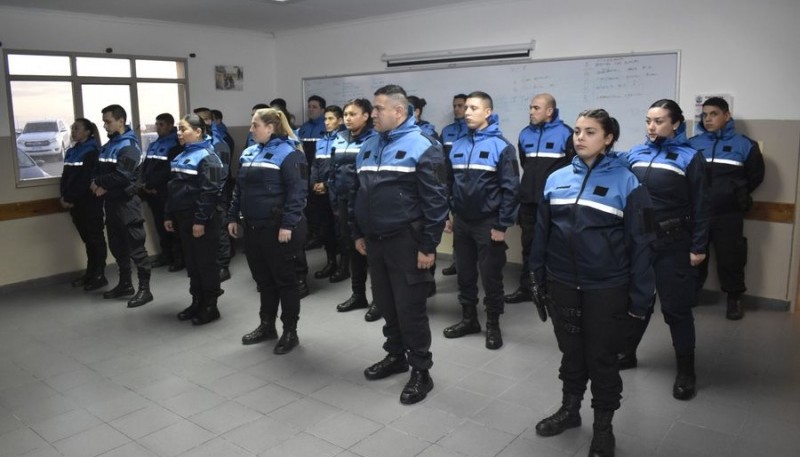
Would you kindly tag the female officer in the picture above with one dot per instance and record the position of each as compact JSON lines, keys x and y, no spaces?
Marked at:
{"x":674,"y":175}
{"x":418,"y":104}
{"x":194,"y":192}
{"x":341,"y":185}
{"x":592,"y":253}
{"x":320,"y":173}
{"x":86,"y":210}
{"x":270,"y":194}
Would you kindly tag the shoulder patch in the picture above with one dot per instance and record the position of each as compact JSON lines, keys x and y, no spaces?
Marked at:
{"x":549,"y":145}
{"x":672,"y":155}
{"x":727,"y":148}
{"x":601,"y":191}
{"x":484,"y":155}
{"x":367,"y":154}
{"x":400,"y":154}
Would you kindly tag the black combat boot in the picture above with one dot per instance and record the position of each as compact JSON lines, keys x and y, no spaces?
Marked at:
{"x":208,"y":311}
{"x":329,"y":269}
{"x":391,"y":364}
{"x":123,"y":289}
{"x":450,"y":271}
{"x":603,"y":442}
{"x":81,"y":280}
{"x":627,"y":360}
{"x":494,"y":339}
{"x":684,"y":388}
{"x":522,"y":294}
{"x":373,"y":313}
{"x":302,"y":288}
{"x":224,"y":274}
{"x":356,"y":301}
{"x":96,"y":279}
{"x":469,"y":323}
{"x":288,"y":341}
{"x":143,"y":295}
{"x":735,"y":310}
{"x":417,"y":387}
{"x":343,"y":272}
{"x":188,"y":313}
{"x":265,"y":331}
{"x":568,"y":416}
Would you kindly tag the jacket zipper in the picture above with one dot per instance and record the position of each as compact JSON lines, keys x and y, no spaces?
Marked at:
{"x":574,"y":215}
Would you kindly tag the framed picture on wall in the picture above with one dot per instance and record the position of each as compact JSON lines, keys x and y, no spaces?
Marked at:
{"x":228,"y":77}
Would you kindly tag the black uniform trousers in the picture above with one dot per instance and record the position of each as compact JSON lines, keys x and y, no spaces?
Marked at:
{"x":170,"y":243}
{"x":126,"y":234}
{"x":730,"y":248}
{"x":274,"y":268}
{"x":358,"y":262}
{"x":87,"y":215}
{"x":199,"y":253}
{"x":224,"y":247}
{"x":478,"y":253}
{"x":589,"y":325}
{"x":675,"y":285}
{"x":320,"y":210}
{"x":527,"y":223}
{"x":399,"y":290}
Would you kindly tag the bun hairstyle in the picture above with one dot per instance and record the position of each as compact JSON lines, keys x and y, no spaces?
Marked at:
{"x":94,"y":133}
{"x":196,"y":122}
{"x":277,"y":118}
{"x":608,"y":123}
{"x":675,"y":111}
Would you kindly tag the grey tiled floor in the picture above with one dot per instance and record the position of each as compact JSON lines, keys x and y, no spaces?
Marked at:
{"x":82,"y":376}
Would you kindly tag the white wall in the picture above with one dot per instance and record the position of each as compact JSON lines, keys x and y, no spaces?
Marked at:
{"x":43,"y":246}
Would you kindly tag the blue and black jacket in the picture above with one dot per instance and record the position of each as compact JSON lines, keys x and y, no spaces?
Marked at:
{"x":272,"y":184}
{"x":309,"y":133}
{"x":221,"y":148}
{"x":675,"y":177}
{"x":79,"y":163}
{"x":155,"y":170}
{"x":485,"y":177}
{"x":321,"y":167}
{"x":543,"y":148}
{"x":452,"y":132}
{"x":195,"y":183}
{"x":428,"y":129}
{"x":342,"y":180}
{"x":734,"y":165}
{"x":401,"y":184}
{"x":593,"y":230}
{"x":117,"y":164}
{"x":226,"y":136}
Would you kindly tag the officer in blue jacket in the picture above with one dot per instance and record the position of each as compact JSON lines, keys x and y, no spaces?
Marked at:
{"x":86,"y":209}
{"x":153,"y":177}
{"x":399,"y":209}
{"x":591,"y":268}
{"x":544,"y":146}
{"x":270,"y":195}
{"x":115,"y":180}
{"x":191,"y":211}
{"x":485,"y":178}
{"x":735,"y":169}
{"x":426,"y":127}
{"x":675,"y":176}
{"x":451,"y":133}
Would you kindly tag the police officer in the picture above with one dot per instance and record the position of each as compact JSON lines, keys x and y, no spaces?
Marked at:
{"x":270,"y":194}
{"x":86,"y":209}
{"x":400,"y":207}
{"x":115,"y":180}
{"x":675,"y":176}
{"x":426,"y":127}
{"x":544,"y":146}
{"x":153,"y":176}
{"x":341,"y":187}
{"x":309,"y":133}
{"x":451,"y":133}
{"x":484,"y":203}
{"x":591,"y":268}
{"x":736,"y":168}
{"x":191,"y":210}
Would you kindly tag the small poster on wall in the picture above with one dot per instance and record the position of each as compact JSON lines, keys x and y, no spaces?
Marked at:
{"x":228,"y":77}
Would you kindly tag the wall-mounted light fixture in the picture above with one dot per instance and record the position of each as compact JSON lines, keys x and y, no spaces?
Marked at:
{"x":522,"y":51}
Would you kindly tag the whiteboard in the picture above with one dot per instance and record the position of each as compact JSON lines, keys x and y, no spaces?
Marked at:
{"x":625,"y":85}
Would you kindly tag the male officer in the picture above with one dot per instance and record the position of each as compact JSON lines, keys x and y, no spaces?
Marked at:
{"x":484,"y":202}
{"x":115,"y":180}
{"x":154,"y":176}
{"x":311,"y":131}
{"x":735,"y":169}
{"x":451,"y":133}
{"x":544,"y":146}
{"x":399,"y":211}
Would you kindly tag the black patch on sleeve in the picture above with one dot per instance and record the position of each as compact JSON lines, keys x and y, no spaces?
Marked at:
{"x":268,"y":155}
{"x":400,"y":154}
{"x":549,"y":145}
{"x":528,"y":145}
{"x":727,"y":148}
{"x":484,"y":155}
{"x":302,"y":168}
{"x":458,"y":155}
{"x":127,"y":164}
{"x":601,"y":191}
{"x":187,"y":161}
{"x":367,"y":154}
{"x":647,"y":220}
{"x":672,"y":155}
{"x":563,"y":187}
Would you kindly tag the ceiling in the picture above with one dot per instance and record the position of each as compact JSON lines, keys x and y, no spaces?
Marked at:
{"x":266,"y":16}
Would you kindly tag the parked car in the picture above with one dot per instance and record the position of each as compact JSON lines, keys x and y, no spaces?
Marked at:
{"x":28,"y":168}
{"x":48,"y":138}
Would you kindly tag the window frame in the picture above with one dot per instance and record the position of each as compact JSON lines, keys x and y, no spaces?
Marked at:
{"x":77,"y":100}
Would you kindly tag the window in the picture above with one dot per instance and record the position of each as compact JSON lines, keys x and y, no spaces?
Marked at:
{"x":49,"y":91}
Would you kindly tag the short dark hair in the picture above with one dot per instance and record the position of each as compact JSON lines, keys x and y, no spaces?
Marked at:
{"x":318,"y":99}
{"x":461,"y":96}
{"x":258,"y":106}
{"x":277,"y":102}
{"x":675,"y":111}
{"x":166,"y":117}
{"x":609,"y":124}
{"x":216,"y":114}
{"x":482,"y":96}
{"x":391,"y":89}
{"x":117,"y":112}
{"x":718,"y":102}
{"x":201,"y":110}
{"x":335,"y":110}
